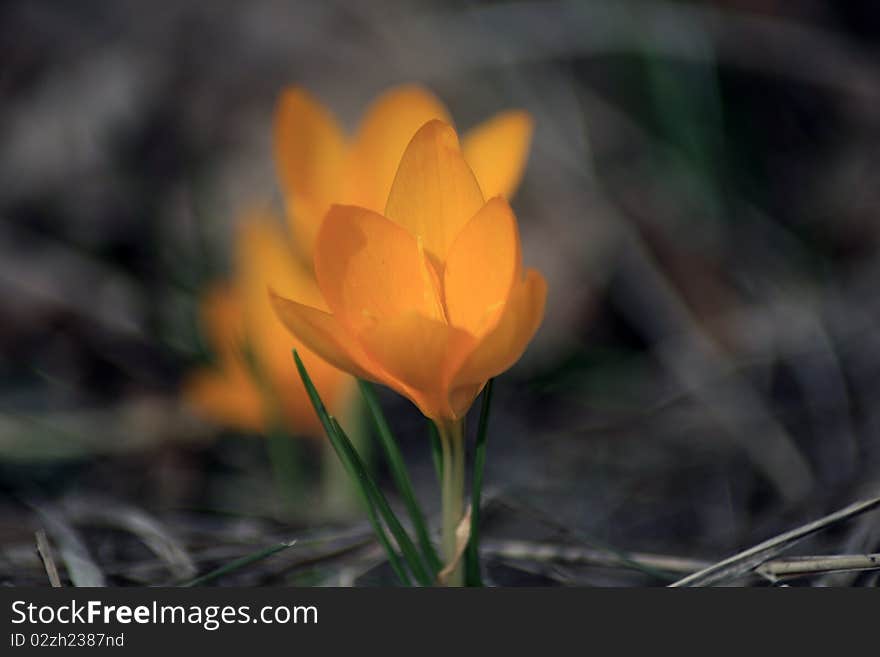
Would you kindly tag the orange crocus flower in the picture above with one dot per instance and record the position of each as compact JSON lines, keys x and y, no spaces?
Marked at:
{"x":239,"y":315}
{"x":319,"y":166}
{"x":429,"y":298}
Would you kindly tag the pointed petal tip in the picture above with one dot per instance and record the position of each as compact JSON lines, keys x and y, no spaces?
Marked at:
{"x":441,"y":131}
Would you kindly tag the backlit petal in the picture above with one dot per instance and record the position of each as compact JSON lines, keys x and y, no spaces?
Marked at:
{"x":501,"y":348}
{"x":434,"y":193}
{"x":497,"y":151}
{"x":310,"y":155}
{"x":418,"y":352}
{"x":370,"y":269}
{"x":324,"y":335}
{"x":263,"y":258}
{"x":221,"y":321}
{"x":227,"y":397}
{"x":387,"y":127}
{"x":481,"y":268}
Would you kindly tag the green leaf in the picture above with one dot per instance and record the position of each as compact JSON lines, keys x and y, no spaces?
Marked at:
{"x":239,"y":563}
{"x":472,"y":554}
{"x":410,"y":553}
{"x":369,"y":490}
{"x":400,"y":475}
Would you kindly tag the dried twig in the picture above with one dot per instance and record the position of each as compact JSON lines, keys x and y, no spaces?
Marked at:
{"x":750,"y":559}
{"x":837,"y":563}
{"x":81,"y":568}
{"x":45,"y":552}
{"x":577,"y":555}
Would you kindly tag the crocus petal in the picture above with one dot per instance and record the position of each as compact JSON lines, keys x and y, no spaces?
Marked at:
{"x":228,"y":397}
{"x":321,"y":333}
{"x":310,"y":155}
{"x":387,"y":127}
{"x":497,"y":151}
{"x":501,"y":348}
{"x":263,"y":258}
{"x":221,"y":320}
{"x":434,"y":193}
{"x":418,"y":352}
{"x":481,"y":268}
{"x":370,"y":269}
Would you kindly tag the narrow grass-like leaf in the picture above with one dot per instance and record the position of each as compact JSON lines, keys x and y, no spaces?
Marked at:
{"x":376,"y":523}
{"x":472,"y":555}
{"x":237,"y":564}
{"x":410,"y":553}
{"x":400,"y":475}
{"x":330,"y":427}
{"x":369,"y":490}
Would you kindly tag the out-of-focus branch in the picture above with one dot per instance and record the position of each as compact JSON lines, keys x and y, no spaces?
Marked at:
{"x":774,"y":569}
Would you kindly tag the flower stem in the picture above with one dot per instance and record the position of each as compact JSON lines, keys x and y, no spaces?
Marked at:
{"x":452,"y":497}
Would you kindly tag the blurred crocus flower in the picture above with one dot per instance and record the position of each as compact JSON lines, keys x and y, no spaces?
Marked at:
{"x":225,"y":393}
{"x":251,"y":384}
{"x":429,"y":298}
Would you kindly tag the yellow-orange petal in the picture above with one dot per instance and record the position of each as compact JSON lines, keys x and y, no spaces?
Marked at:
{"x":497,"y":151}
{"x":481,"y":268}
{"x":263,"y":258}
{"x":370,"y":269}
{"x":419,"y":353}
{"x":220,"y":320}
{"x":226,"y":397}
{"x":310,"y":153}
{"x":434,"y":193}
{"x":504,"y":345}
{"x":383,"y":135}
{"x":324,"y":335}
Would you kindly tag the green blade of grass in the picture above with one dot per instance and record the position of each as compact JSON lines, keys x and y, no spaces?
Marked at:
{"x":239,"y":563}
{"x":376,"y":523}
{"x":330,"y":427}
{"x":410,"y":553}
{"x":472,"y":554}
{"x":400,"y":475}
{"x":370,"y":490}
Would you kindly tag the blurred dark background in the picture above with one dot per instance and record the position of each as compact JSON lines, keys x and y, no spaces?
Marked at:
{"x":702,"y":197}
